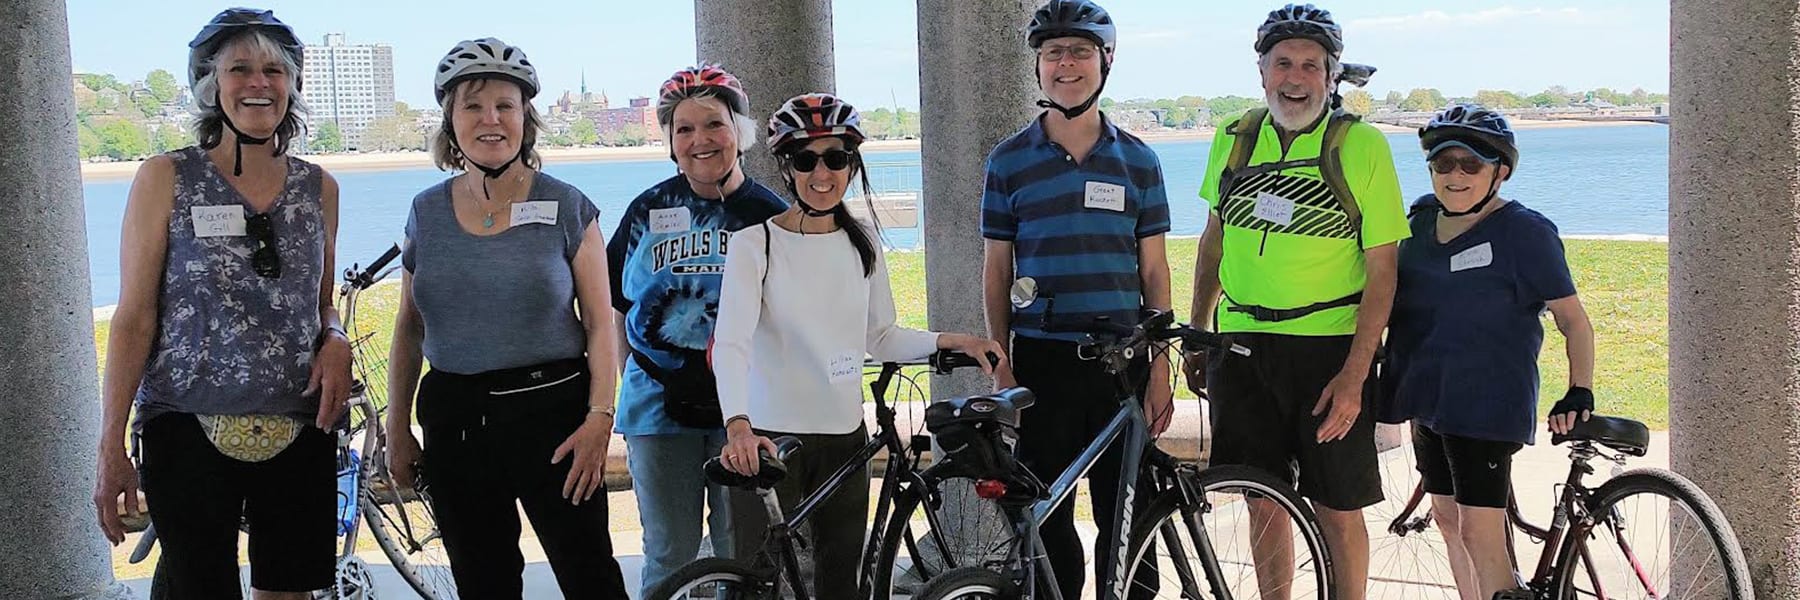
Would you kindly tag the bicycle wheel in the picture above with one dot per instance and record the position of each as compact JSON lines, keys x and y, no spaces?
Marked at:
{"x":405,"y":527}
{"x":1210,"y":549}
{"x":718,"y":578}
{"x":1407,"y":556}
{"x":919,"y":541}
{"x":968,"y":583}
{"x":1652,"y":534}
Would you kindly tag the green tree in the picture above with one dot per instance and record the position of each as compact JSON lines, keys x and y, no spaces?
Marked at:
{"x":392,"y":134}
{"x":583,"y":132}
{"x":91,"y":145}
{"x":629,"y":135}
{"x":1606,"y":94}
{"x":1421,"y":100}
{"x":162,"y":86}
{"x":1659,"y":99}
{"x":1544,"y":99}
{"x":124,"y":140}
{"x":1393,"y":99}
{"x":97,"y":82}
{"x":1227,"y":105}
{"x":1359,"y":102}
{"x":170,"y":137}
{"x":1562,"y":95}
{"x":1190,"y":102}
{"x":329,"y":138}
{"x":1499,"y":99}
{"x":1106,"y":103}
{"x":1164,"y":103}
{"x":146,"y":105}
{"x":1639,"y":97}
{"x":907,"y":123}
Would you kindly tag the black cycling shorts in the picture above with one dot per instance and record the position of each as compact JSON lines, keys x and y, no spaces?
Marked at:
{"x":1477,"y":472}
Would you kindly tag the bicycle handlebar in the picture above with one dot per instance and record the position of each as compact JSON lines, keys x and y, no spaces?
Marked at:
{"x":363,"y":278}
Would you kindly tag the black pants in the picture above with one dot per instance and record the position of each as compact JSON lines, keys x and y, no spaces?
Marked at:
{"x":836,"y":527}
{"x":199,"y":498}
{"x":1075,"y":401}
{"x":488,"y":442}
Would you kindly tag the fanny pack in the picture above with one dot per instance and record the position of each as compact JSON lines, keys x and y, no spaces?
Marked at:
{"x":690,"y":393}
{"x":250,"y":438}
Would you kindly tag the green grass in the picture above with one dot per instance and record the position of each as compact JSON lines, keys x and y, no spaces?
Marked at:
{"x":1624,"y":286}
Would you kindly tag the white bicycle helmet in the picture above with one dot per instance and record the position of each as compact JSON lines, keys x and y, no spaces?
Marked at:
{"x":486,"y":57}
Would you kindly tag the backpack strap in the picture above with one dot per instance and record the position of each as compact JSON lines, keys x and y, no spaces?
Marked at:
{"x":1244,"y":133}
{"x":765,"y":273}
{"x":1331,"y":166}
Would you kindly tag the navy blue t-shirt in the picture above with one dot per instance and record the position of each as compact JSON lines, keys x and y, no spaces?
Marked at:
{"x":1465,"y":334}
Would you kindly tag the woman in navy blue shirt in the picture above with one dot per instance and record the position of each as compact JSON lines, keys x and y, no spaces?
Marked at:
{"x":1464,"y":339}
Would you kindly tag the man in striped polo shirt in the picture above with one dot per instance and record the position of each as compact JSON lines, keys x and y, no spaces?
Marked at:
{"x":1079,"y":205}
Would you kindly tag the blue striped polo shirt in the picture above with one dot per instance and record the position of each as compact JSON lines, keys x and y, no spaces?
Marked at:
{"x":1075,"y":227}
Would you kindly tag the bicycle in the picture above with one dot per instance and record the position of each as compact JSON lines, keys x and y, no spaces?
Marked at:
{"x":775,"y":568}
{"x":400,"y":520}
{"x":1601,"y":543}
{"x":1188,"y":512}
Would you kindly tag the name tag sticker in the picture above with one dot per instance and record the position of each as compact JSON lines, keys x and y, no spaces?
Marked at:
{"x":536,"y":211}
{"x":846,"y":366}
{"x":1105,"y":196}
{"x":1274,"y":209}
{"x":1474,"y":258}
{"x":671,"y":220}
{"x":218,"y":221}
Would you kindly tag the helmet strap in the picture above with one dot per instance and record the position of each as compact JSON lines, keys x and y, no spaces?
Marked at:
{"x":239,"y":138}
{"x":1075,"y":111}
{"x":1493,"y":190}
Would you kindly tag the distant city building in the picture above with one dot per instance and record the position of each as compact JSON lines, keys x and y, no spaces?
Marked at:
{"x":610,"y":122}
{"x":349,"y":85}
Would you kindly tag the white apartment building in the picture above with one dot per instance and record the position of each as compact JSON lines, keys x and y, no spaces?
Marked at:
{"x":349,"y":85}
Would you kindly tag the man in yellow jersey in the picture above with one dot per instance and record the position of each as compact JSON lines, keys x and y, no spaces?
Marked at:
{"x":1298,"y":264}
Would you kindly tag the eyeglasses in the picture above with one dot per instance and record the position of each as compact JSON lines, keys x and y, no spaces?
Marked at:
{"x":1470,"y":165}
{"x":263,"y":258}
{"x":837,"y":160}
{"x":1056,"y":53}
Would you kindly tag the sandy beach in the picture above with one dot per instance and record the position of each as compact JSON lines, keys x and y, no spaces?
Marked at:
{"x":389,"y":161}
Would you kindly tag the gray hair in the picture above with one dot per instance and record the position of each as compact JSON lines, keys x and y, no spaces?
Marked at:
{"x":444,"y":152}
{"x":1333,"y":67}
{"x":209,"y":116}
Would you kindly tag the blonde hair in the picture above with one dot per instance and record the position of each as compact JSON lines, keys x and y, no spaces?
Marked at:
{"x":444,"y":152}
{"x":743,"y":125}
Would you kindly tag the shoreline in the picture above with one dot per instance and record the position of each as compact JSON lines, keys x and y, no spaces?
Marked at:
{"x":102,"y":172}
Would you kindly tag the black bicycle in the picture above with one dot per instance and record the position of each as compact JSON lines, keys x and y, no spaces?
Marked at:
{"x":775,"y":570}
{"x":1204,"y":530}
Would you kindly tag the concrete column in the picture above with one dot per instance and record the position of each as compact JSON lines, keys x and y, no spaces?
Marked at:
{"x":975,"y":89}
{"x":1734,"y":281}
{"x":778,"y":48}
{"x":49,"y":398}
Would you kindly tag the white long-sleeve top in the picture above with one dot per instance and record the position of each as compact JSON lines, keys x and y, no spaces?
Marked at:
{"x":788,"y":347}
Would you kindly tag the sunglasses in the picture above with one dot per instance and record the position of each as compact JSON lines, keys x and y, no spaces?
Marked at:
{"x":1470,"y":165}
{"x":837,"y":160}
{"x":263,"y":258}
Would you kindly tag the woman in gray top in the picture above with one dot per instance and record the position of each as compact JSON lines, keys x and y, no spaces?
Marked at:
{"x":225,"y":340}
{"x":518,"y":406}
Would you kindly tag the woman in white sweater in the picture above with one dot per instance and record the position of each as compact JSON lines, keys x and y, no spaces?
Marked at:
{"x":806,"y":294}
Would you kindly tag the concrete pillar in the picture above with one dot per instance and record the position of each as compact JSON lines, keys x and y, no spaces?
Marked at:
{"x":49,"y":398}
{"x":1734,"y":281}
{"x":975,"y":89}
{"x":778,"y":48}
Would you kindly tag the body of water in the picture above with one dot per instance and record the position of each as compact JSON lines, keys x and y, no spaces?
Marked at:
{"x":1590,"y":180}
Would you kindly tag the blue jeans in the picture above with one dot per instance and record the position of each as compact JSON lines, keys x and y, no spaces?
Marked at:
{"x":666,"y":475}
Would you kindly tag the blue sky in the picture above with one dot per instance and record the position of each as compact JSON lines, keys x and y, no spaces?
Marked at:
{"x":1167,"y":48}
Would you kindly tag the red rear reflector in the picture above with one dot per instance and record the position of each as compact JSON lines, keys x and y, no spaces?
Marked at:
{"x":990,"y":489}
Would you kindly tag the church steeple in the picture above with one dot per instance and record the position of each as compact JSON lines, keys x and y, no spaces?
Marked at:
{"x":584,"y":82}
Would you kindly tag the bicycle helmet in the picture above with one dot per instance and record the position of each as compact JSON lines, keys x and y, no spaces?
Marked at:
{"x":485,"y":58}
{"x":1474,"y":128}
{"x":688,"y":82}
{"x":1072,"y":18}
{"x":810,"y":116}
{"x":230,"y":23}
{"x":1303,"y":21}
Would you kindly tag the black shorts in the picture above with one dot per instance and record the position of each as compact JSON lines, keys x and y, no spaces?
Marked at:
{"x":199,"y":498}
{"x":1262,"y":416}
{"x":1476,"y":472}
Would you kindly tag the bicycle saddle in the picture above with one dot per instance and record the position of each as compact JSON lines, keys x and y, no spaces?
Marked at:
{"x":1623,"y":435}
{"x":999,"y":407}
{"x":770,"y":472}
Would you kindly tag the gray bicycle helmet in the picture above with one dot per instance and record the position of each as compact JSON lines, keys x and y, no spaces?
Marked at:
{"x":1303,"y":21}
{"x":485,"y":58}
{"x":1072,"y":18}
{"x":1474,"y":128}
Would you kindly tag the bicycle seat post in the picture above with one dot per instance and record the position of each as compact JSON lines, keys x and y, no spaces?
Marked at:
{"x":772,"y":502}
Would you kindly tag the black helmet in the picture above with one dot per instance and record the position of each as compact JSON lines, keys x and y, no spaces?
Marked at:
{"x":1474,"y":128}
{"x":1303,"y":21}
{"x":229,"y":24}
{"x":1072,"y":18}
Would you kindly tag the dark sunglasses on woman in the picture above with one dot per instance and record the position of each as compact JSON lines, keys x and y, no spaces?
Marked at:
{"x":837,"y":160}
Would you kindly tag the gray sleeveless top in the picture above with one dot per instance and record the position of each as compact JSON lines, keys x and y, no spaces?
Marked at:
{"x":230,"y":341}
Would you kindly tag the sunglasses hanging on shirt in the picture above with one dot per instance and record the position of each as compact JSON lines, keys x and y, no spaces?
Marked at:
{"x":263,"y":257}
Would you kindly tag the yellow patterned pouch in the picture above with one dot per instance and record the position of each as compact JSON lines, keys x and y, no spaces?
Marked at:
{"x":250,"y":438}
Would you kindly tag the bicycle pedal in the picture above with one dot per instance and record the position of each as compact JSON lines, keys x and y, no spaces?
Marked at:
{"x":1515,"y":594}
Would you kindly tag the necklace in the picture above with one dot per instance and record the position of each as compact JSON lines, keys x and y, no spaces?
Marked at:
{"x":487,"y":220}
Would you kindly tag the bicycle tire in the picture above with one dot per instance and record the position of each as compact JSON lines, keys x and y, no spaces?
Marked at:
{"x":1728,"y":578}
{"x":1409,"y":559}
{"x":910,"y":557}
{"x":723,"y":578}
{"x":968,"y":583}
{"x":1177,"y":523}
{"x":419,"y":559}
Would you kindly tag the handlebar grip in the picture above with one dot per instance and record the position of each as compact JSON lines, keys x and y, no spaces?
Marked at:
{"x":380,"y":263}
{"x":945,"y":361}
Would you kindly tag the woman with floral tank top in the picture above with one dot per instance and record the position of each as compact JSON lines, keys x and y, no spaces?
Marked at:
{"x":225,"y":341}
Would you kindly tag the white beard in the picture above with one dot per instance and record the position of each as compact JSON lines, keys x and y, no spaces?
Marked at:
{"x":1296,"y":120}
